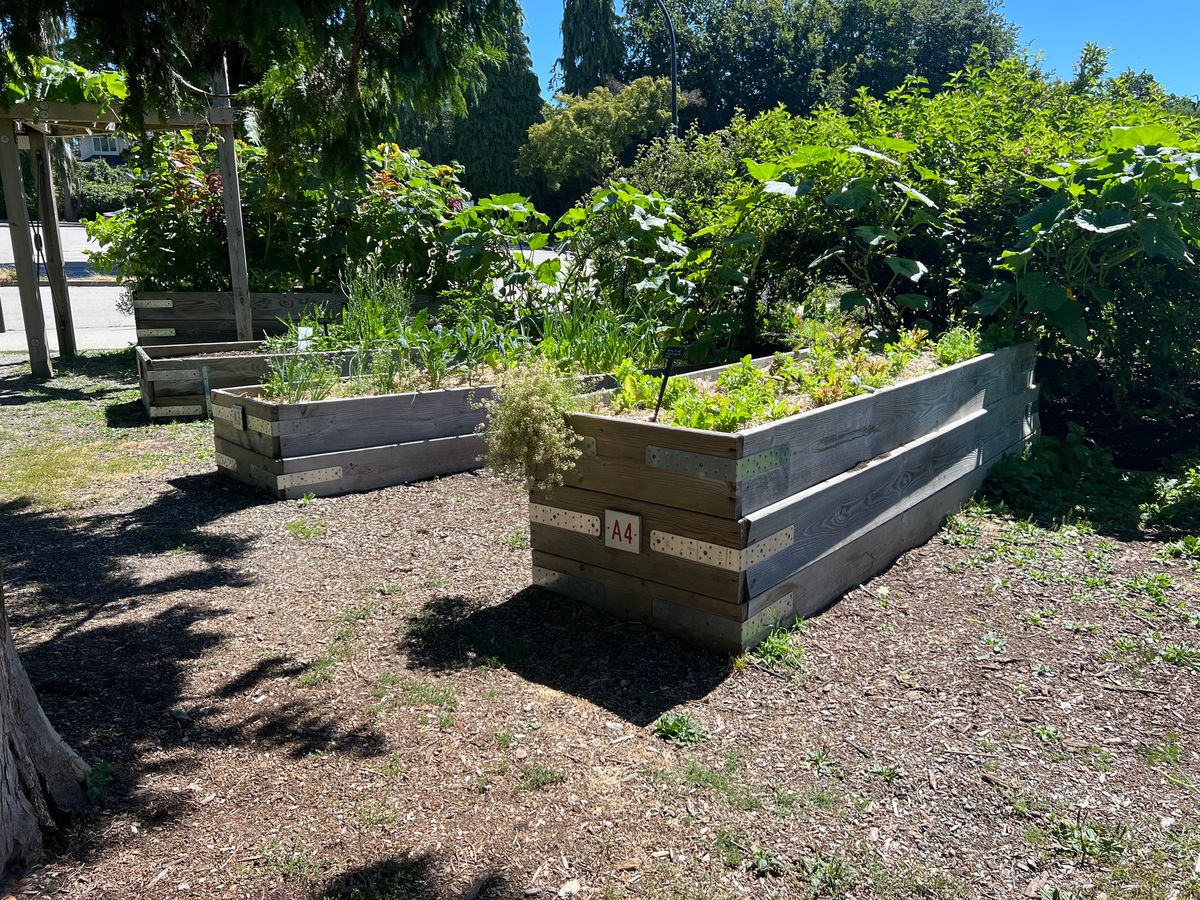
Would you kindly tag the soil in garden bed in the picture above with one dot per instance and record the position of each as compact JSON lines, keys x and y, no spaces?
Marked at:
{"x":362,"y":697}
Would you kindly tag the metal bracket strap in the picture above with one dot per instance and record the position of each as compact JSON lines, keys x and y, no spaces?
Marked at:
{"x":555,"y":517}
{"x":288,"y":428}
{"x":173,"y":375}
{"x":226,"y":462}
{"x":234,"y":415}
{"x":583,"y":589}
{"x":296,"y":479}
{"x":703,"y":465}
{"x":729,"y":558}
{"x":153,"y":303}
{"x":166,"y":412}
{"x":155,"y":332}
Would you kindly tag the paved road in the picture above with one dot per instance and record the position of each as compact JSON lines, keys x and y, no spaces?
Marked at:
{"x":98,"y":324}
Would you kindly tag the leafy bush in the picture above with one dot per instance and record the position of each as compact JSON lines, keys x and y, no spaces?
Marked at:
{"x":527,"y":429}
{"x":680,"y":729}
{"x":957,"y":345}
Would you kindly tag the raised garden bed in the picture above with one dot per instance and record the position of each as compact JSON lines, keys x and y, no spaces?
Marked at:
{"x":721,"y":537}
{"x":332,"y":447}
{"x":177,"y":379}
{"x":178,"y":317}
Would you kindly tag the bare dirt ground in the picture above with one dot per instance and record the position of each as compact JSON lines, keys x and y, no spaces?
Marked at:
{"x":361,"y":697}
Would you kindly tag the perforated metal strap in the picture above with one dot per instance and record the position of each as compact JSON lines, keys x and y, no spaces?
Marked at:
{"x":166,"y":412}
{"x":155,"y":332}
{"x":704,"y":465}
{"x":718,"y":556}
{"x":569,"y":520}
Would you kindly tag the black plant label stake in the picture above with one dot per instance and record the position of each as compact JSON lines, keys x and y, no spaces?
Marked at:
{"x":670,"y":354}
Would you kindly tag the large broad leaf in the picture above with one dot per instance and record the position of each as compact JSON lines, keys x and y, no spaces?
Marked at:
{"x":780,"y":187}
{"x":763,"y":171}
{"x":538,"y":241}
{"x":874,"y":235}
{"x":826,"y":257}
{"x":915,"y":194}
{"x":893,"y":144}
{"x":1128,"y":137}
{"x":851,"y":300}
{"x":810,"y":155}
{"x":995,"y":295}
{"x":1089,"y":221}
{"x":911,"y":269}
{"x":853,"y":195}
{"x":1014,"y":260}
{"x":1068,"y":320}
{"x":1046,"y":217}
{"x":1041,"y":292}
{"x":1159,"y":238}
{"x":914,"y":301}
{"x":874,"y":154}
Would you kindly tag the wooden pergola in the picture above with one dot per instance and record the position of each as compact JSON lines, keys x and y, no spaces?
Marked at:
{"x":29,"y":126}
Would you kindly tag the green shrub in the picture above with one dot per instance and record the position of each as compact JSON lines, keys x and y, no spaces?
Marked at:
{"x":297,"y":377}
{"x":526,"y":429}
{"x":680,"y":729}
{"x":957,"y":345}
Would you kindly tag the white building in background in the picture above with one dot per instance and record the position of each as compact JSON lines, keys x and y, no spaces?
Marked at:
{"x":108,"y":147}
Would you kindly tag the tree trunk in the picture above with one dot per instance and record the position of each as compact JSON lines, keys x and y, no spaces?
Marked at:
{"x":41,"y":778}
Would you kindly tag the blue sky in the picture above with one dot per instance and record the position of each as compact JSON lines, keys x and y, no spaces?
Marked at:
{"x":1160,"y":37}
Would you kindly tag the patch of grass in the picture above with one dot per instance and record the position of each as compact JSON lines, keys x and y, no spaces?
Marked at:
{"x":781,"y":650}
{"x":280,"y":859}
{"x":54,"y":474}
{"x":518,"y":540}
{"x":407,"y":691}
{"x":98,"y":781}
{"x":535,"y":776}
{"x":728,"y":844}
{"x":1169,"y":752}
{"x":505,"y":738}
{"x":318,"y":672}
{"x":1086,"y":839}
{"x":1186,"y":655}
{"x":680,"y":729}
{"x":304,"y":529}
{"x":1153,"y":586}
{"x":994,"y":641}
{"x":359,"y":613}
{"x":722,"y":782}
{"x":376,"y":813}
{"x":828,"y":876}
{"x":821,"y":762}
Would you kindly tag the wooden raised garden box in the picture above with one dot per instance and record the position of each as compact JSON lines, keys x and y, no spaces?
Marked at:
{"x":331,"y":447}
{"x":721,"y":537}
{"x":191,"y":317}
{"x":177,"y":379}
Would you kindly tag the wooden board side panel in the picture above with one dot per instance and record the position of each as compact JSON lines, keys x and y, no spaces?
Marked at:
{"x":827,"y":441}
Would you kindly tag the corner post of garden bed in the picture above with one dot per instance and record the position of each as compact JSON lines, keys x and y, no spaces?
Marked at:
{"x":231,"y":195}
{"x":56,"y":274}
{"x":22,"y":244}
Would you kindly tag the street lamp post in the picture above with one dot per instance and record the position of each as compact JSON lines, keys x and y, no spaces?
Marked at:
{"x":674,"y":68}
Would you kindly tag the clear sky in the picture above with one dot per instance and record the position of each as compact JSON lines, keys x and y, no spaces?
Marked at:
{"x":1161,"y":36}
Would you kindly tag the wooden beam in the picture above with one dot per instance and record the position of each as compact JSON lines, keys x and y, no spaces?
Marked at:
{"x":91,"y":115}
{"x":18,"y":230}
{"x":52,"y":245}
{"x":232,"y":196}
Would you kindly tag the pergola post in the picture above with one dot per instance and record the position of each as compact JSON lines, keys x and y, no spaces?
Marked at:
{"x":52,"y":244}
{"x":231,"y":195}
{"x":18,"y":230}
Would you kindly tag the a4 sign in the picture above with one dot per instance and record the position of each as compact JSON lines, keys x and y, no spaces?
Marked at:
{"x":622,"y":531}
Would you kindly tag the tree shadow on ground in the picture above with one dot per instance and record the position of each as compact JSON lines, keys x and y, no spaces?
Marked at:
{"x":416,"y":877}
{"x":18,"y":387}
{"x":85,"y":563}
{"x":630,"y":669}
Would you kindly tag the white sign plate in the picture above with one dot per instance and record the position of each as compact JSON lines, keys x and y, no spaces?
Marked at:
{"x":622,"y":531}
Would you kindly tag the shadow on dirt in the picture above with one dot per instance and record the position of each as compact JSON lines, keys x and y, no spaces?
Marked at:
{"x":631,"y":670}
{"x":416,"y":877}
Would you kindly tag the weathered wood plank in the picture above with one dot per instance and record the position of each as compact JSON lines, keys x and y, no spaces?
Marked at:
{"x":822,"y":442}
{"x":820,"y":583}
{"x":721,"y":584}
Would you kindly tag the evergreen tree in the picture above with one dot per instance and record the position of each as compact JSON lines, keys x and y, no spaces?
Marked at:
{"x":489,"y":138}
{"x":593,"y":52}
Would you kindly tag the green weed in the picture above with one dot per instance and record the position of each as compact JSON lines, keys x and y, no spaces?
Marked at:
{"x":680,"y":729}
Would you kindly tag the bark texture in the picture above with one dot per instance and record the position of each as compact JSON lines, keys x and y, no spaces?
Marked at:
{"x":41,"y":778}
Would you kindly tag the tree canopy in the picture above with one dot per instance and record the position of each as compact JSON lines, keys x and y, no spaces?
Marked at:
{"x":593,"y":52}
{"x":754,"y":54}
{"x":322,"y":76}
